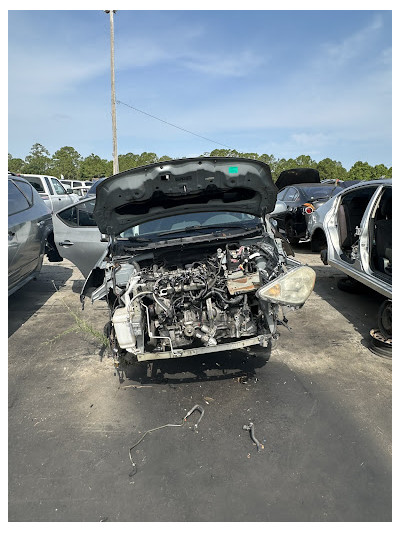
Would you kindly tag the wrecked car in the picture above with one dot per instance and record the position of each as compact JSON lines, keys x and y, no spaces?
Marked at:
{"x":300,"y":193}
{"x":192,"y":263}
{"x":357,"y":224}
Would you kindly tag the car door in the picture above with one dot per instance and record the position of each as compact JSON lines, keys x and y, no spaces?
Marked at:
{"x":61,"y":197}
{"x":347,"y":230}
{"x":77,"y":236}
{"x":23,"y":232}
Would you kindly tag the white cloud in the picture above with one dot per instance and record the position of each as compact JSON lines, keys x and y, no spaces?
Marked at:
{"x":310,"y":139}
{"x":343,"y":52}
{"x":234,"y":64}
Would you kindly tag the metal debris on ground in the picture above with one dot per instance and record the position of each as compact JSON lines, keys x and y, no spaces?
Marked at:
{"x":207,"y":399}
{"x":246,"y":378}
{"x":134,"y":386}
{"x":250,"y":428}
{"x":184,"y":419}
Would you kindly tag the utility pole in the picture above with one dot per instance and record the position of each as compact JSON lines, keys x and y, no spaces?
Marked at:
{"x":113,"y":111}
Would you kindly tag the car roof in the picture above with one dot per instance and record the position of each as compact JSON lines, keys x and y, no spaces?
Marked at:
{"x":17,"y":177}
{"x":39,"y":176}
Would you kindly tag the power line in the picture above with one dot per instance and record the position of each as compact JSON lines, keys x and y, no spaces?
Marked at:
{"x":173,"y":125}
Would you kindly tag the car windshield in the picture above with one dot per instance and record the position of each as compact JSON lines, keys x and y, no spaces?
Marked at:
{"x":193,"y":222}
{"x":313,"y":193}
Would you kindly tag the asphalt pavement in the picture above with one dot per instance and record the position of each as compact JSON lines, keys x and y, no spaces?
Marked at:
{"x":321,"y":409}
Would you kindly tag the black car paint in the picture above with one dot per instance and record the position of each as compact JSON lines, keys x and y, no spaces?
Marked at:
{"x":293,"y":220}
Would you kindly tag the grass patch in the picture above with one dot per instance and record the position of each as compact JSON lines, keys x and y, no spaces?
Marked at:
{"x":80,"y":325}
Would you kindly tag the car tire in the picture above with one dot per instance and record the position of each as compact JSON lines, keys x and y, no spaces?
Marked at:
{"x":318,"y":242}
{"x":385,"y":319}
{"x":290,"y":233}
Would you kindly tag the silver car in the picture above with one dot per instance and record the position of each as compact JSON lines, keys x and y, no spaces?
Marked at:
{"x":357,"y":226}
{"x":29,"y":228}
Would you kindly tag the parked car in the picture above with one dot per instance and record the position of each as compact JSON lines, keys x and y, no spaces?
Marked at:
{"x":192,"y":264}
{"x":80,"y":191}
{"x":315,"y":219}
{"x":93,"y":187}
{"x":72,"y":184}
{"x":51,"y":190}
{"x":30,"y":233}
{"x":357,"y":224}
{"x":296,"y":203}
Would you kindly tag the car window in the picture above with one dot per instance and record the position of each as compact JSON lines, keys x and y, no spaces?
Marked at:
{"x":292,"y":195}
{"x":76,"y":184}
{"x":26,"y":189}
{"x":36,"y":183}
{"x":16,"y":200}
{"x":58,"y":188}
{"x":79,"y":215}
{"x":322,"y":192}
{"x":281,"y":194}
{"x":177,"y":222}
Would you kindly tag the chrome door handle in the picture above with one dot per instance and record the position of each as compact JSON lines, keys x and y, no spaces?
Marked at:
{"x":66,"y":243}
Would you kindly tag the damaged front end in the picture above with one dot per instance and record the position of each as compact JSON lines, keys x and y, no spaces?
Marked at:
{"x":201,"y":287}
{"x":195,"y":299}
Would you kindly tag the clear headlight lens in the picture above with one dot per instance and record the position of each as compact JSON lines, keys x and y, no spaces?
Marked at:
{"x":292,"y":288}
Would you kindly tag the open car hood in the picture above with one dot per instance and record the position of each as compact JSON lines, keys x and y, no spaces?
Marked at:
{"x":295,"y":176}
{"x":182,"y":186}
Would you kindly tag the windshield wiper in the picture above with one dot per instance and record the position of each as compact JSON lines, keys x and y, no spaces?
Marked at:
{"x":189,"y":229}
{"x":138,"y":239}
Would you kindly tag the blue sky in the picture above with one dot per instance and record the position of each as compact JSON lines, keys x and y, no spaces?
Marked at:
{"x":276,"y":82}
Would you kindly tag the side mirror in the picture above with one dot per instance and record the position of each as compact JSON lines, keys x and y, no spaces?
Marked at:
{"x":70,"y":191}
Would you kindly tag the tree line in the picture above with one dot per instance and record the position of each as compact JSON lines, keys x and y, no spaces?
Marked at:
{"x":67,"y":162}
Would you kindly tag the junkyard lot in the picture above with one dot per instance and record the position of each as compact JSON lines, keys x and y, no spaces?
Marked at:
{"x":321,"y":407}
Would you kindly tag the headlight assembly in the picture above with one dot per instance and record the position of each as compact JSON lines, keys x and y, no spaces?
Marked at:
{"x":292,"y":288}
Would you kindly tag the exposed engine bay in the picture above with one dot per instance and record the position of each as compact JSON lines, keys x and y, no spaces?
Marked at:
{"x":165,"y":304}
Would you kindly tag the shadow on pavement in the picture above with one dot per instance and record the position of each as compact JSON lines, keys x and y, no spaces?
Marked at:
{"x":32,"y":296}
{"x":209,"y":367}
{"x":360,"y":309}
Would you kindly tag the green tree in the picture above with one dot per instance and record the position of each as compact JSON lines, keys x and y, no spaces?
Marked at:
{"x":164,"y":158}
{"x":360,"y":171}
{"x":147,"y":158}
{"x":66,"y":162}
{"x":225,"y":152}
{"x":380,"y":171}
{"x":38,"y":161}
{"x":330,"y":169}
{"x":93,"y":166}
{"x":15,"y":164}
{"x":127,"y":161}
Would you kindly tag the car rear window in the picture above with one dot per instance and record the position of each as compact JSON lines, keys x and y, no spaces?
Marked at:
{"x":36,"y":183}
{"x":26,"y":189}
{"x":16,"y":200}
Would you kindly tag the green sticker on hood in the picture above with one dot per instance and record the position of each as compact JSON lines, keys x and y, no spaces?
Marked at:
{"x":233,"y":170}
